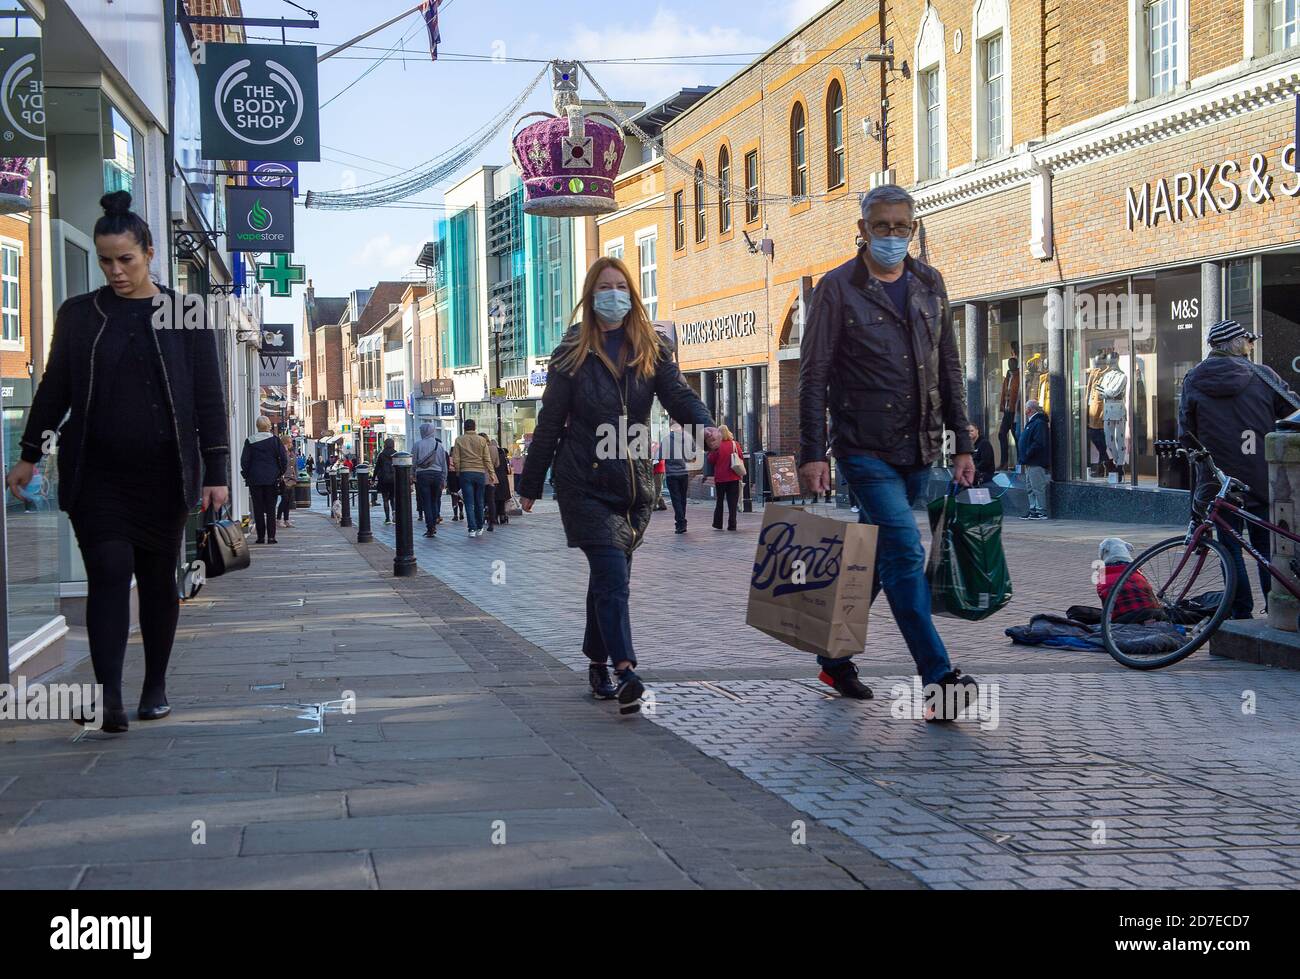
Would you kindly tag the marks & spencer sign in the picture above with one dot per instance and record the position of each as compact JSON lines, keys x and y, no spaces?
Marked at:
{"x":259,"y":101}
{"x":1216,"y":189}
{"x":733,"y":326}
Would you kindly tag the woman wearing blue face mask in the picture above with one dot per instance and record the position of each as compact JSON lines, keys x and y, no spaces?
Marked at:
{"x":595,"y":426}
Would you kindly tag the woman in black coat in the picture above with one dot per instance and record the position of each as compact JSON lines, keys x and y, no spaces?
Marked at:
{"x":144,"y":442}
{"x":262,"y":464}
{"x":594,"y":425}
{"x":385,"y":478}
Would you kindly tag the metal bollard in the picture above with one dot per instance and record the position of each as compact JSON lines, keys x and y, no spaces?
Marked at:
{"x":345,"y":496}
{"x":364,"y":536}
{"x":331,"y":484}
{"x":404,"y":558}
{"x":746,"y":492}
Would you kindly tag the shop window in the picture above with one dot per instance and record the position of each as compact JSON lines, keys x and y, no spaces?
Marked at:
{"x":1280,"y":314}
{"x":679,"y":222}
{"x":1165,"y":312}
{"x":10,"y":308}
{"x":835,"y":176}
{"x":122,"y":148}
{"x":1003,"y":373}
{"x":798,"y":151}
{"x":751,"y":186}
{"x":724,"y":191}
{"x":1100,"y":404}
{"x":649,"y":274}
{"x":701,"y":225}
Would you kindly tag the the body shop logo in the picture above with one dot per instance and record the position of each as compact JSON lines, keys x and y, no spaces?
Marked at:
{"x":818,"y":564}
{"x":259,"y":218}
{"x":259,"y":102}
{"x":22,"y":96}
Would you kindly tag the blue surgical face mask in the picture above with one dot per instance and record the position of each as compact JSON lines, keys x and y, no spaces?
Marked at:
{"x":612,"y":305}
{"x":889,"y":251}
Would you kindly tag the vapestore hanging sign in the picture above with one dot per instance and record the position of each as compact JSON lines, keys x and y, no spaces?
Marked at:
{"x":22,"y":97}
{"x":1216,"y":189}
{"x":259,"y":220}
{"x":259,"y":101}
{"x":733,"y":326}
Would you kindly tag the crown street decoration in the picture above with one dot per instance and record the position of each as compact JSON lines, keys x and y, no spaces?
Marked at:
{"x":569,"y":160}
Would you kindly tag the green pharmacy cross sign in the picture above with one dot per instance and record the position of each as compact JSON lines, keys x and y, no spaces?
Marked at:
{"x":280,"y":275}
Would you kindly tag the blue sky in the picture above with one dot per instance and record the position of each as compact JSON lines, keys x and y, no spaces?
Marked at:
{"x":409,"y":109}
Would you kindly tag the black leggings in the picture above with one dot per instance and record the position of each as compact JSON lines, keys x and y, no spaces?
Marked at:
{"x":109,"y":566}
{"x":264,"y":499}
{"x":286,"y":504}
{"x":730,"y":493}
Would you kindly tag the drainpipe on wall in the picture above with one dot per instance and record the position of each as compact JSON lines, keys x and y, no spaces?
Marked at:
{"x":884,"y":101}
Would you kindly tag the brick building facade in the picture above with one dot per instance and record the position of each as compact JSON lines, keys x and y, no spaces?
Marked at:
{"x":1098,"y":181}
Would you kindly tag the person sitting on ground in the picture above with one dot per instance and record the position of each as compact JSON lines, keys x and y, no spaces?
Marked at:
{"x":984,"y":467}
{"x":1137,"y":600}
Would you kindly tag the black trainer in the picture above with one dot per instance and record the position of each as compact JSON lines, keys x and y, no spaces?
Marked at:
{"x":844,"y":678}
{"x":598,"y":677}
{"x":629,"y":691}
{"x":959,"y":693}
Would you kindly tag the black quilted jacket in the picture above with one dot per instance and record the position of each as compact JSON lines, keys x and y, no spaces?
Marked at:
{"x":605,"y":497}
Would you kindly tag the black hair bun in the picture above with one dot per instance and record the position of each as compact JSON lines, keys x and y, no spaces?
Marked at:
{"x":118,"y":202}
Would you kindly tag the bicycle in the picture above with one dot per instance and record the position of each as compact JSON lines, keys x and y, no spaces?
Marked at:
{"x":1193,"y":577}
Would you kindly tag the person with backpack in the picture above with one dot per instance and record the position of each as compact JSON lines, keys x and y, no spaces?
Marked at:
{"x":430,"y":460}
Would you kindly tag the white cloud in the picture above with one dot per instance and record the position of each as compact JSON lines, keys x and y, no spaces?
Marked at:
{"x":666,"y":34}
{"x":385,"y":256}
{"x":795,"y":12}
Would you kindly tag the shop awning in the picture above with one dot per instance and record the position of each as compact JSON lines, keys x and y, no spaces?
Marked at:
{"x":328,"y":440}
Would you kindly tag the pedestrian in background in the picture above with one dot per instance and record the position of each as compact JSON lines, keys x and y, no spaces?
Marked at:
{"x":473,"y":465}
{"x":262,"y":464}
{"x":676,"y":451}
{"x":144,"y":440}
{"x":288,"y":483}
{"x":604,"y":377}
{"x":454,"y":491}
{"x":430,"y":459}
{"x":311,"y":467}
{"x":726,"y":480}
{"x":384,"y":477}
{"x":983,"y":455}
{"x":501,"y":491}
{"x":660,"y":470}
{"x":1035,"y":444}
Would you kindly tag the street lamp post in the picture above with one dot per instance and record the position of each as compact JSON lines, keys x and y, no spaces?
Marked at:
{"x":497,"y":314}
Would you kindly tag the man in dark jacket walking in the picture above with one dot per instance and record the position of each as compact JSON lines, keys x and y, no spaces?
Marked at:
{"x":1228,"y":406}
{"x":262,"y":463}
{"x":880,"y":353}
{"x":1036,"y":458}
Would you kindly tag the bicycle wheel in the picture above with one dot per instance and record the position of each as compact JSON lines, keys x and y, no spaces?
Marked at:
{"x":1204,"y":578}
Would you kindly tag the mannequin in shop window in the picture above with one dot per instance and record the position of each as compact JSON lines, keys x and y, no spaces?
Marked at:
{"x":1009,"y":405}
{"x":1096,"y":415}
{"x":1113,"y":385}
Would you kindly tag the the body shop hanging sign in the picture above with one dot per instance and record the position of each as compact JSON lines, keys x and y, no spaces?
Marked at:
{"x":22,"y":97}
{"x":259,"y":101}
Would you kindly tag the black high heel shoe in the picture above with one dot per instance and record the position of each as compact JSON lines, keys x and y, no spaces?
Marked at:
{"x":156,"y":713}
{"x":114,"y":721}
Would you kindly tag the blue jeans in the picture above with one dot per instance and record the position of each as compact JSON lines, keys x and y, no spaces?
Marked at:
{"x":428,"y":490}
{"x":472,"y":487}
{"x":884,"y":496}
{"x":608,"y":638}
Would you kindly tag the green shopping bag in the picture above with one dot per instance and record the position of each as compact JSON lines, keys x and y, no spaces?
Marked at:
{"x":967,"y":568}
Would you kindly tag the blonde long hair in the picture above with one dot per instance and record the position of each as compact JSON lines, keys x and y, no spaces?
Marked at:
{"x":641,"y":342}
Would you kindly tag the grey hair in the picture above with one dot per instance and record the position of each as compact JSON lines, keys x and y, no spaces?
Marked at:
{"x":1236,"y":347}
{"x":1113,"y":550}
{"x":886,"y":194}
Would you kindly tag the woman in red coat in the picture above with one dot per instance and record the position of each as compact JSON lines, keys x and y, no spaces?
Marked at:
{"x":726,"y":481}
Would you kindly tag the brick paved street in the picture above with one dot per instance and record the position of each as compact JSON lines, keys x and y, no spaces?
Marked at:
{"x":1093,"y":776}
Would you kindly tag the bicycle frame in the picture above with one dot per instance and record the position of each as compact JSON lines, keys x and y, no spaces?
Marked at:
{"x":1215,"y":518}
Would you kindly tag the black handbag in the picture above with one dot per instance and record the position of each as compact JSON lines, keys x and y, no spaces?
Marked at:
{"x":222,"y":546}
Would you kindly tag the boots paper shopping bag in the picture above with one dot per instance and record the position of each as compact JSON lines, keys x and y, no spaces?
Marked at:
{"x":811,"y":583}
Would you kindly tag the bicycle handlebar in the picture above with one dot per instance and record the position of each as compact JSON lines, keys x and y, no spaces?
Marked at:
{"x":1196,"y":452}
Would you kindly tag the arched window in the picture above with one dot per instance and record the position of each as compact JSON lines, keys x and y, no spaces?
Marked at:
{"x":724,"y":192}
{"x":798,"y":152}
{"x":835,"y":135}
{"x":700,"y":229}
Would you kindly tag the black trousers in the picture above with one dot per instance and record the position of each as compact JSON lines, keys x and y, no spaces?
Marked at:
{"x":677,"y":489}
{"x":1243,"y":601}
{"x":386,"y":493}
{"x":1008,"y":426}
{"x":109,"y":566}
{"x":286,"y":504}
{"x":264,"y":500}
{"x":730,"y":493}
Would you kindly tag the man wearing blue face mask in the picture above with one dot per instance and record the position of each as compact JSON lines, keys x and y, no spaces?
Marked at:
{"x":879,"y":352}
